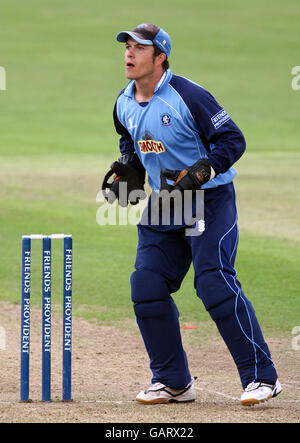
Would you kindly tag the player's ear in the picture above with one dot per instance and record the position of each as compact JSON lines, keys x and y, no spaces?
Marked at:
{"x":160,"y":58}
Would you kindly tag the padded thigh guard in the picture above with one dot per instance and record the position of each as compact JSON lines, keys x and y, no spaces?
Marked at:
{"x":150,"y":295}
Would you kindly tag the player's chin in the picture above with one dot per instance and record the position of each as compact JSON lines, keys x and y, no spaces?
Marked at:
{"x":131,"y":70}
{"x":130,"y":74}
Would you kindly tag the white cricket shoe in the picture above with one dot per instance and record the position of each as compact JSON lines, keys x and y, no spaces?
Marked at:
{"x":257,"y":392}
{"x":159,"y":393}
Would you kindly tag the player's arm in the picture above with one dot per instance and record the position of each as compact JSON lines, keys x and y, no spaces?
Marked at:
{"x":128,"y":172}
{"x":222,"y":139}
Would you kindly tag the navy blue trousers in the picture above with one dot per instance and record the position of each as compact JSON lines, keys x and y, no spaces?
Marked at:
{"x":163,"y":259}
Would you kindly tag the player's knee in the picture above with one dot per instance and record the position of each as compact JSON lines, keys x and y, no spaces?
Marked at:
{"x":147,"y":286}
{"x":150,"y":294}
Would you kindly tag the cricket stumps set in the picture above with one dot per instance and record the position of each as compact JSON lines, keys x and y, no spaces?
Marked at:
{"x":46,"y":315}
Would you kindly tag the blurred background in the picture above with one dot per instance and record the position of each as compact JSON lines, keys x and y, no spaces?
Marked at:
{"x":64,"y":70}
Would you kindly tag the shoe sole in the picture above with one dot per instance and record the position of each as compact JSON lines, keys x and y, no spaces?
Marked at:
{"x":255,"y":401}
{"x":158,"y":401}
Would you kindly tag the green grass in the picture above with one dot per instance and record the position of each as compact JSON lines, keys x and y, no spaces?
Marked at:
{"x":64,"y":70}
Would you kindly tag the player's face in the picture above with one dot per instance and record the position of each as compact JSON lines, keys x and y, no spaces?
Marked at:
{"x":139,"y":61}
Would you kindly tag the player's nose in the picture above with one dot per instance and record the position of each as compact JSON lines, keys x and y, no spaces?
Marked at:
{"x":129,"y":52}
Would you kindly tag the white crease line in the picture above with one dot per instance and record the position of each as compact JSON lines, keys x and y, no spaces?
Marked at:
{"x":289,"y":401}
{"x":132,"y":401}
{"x":115,"y":402}
{"x":55,"y":402}
{"x":218,"y":393}
{"x":104,"y":401}
{"x":291,"y":387}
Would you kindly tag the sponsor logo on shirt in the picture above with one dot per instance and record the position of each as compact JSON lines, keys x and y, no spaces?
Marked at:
{"x":151,"y":147}
{"x":220,"y":118}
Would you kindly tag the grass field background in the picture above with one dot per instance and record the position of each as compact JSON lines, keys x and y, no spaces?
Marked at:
{"x":64,"y":70}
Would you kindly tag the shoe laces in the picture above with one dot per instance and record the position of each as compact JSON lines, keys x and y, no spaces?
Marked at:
{"x":256,"y":385}
{"x":155,"y":387}
{"x":251,"y":386}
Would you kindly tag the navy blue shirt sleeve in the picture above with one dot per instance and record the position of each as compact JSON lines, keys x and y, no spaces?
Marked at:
{"x":223,"y":140}
{"x":126,"y":142}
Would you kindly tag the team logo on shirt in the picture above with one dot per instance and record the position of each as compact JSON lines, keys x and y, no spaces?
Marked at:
{"x":149,"y":146}
{"x":165,"y":119}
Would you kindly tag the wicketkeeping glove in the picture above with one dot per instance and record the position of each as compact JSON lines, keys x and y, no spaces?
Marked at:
{"x":191,"y":178}
{"x":124,"y":173}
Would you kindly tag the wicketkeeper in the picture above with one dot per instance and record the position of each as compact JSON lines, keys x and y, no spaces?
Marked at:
{"x":175,"y":130}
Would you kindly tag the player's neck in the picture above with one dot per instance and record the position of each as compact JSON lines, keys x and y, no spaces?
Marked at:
{"x":145,"y":87}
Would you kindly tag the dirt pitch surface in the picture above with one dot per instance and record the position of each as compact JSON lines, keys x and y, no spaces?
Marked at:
{"x":110,"y":366}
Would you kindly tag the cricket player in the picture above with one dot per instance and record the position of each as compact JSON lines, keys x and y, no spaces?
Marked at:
{"x":176,"y":131}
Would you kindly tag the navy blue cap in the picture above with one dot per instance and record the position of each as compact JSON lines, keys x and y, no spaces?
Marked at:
{"x":148,"y":34}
